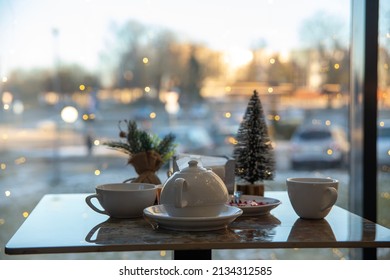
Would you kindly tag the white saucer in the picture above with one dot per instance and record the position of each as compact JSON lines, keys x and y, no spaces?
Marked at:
{"x":250,"y":210}
{"x":158,"y":217}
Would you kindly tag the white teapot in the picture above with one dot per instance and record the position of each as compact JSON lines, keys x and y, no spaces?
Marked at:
{"x":194,"y":191}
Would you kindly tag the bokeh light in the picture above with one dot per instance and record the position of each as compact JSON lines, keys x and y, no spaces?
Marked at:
{"x":69,"y":114}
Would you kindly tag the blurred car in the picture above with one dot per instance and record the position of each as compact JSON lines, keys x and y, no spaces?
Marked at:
{"x":383,"y":144}
{"x":224,"y":137}
{"x":319,"y":146}
{"x":190,"y":139}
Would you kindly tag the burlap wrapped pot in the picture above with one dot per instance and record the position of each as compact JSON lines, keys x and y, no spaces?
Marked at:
{"x":146,"y":164}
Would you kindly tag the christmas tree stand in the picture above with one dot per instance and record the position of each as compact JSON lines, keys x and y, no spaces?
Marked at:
{"x":250,"y":189}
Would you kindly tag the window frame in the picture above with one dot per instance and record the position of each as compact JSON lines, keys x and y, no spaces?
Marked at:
{"x":363,"y":113}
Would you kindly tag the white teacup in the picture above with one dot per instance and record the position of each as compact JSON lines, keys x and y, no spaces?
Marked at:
{"x":312,"y":198}
{"x":123,"y":200}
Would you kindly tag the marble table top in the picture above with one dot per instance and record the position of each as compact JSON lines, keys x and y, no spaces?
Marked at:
{"x":63,"y":223}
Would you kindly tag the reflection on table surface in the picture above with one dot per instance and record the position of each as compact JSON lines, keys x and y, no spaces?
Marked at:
{"x":65,"y":224}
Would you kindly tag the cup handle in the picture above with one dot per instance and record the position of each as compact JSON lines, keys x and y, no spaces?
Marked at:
{"x":180,"y":186}
{"x":90,"y":204}
{"x":332,"y":198}
{"x":92,"y":232}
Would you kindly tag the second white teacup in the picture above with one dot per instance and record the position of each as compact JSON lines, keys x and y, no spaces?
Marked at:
{"x":312,"y":198}
{"x":123,"y":200}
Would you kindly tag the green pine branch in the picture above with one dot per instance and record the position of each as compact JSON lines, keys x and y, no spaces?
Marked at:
{"x":135,"y":141}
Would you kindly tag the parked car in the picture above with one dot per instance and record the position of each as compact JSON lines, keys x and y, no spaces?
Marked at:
{"x":319,"y":146}
{"x":190,"y":139}
{"x":383,"y":144}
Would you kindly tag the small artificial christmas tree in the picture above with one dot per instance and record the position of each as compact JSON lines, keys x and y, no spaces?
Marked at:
{"x":254,"y":152}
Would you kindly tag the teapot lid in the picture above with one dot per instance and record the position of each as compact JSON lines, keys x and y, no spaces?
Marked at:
{"x":193,"y":167}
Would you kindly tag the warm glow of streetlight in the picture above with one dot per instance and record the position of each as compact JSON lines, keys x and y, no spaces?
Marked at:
{"x":171,"y":102}
{"x":18,"y":107}
{"x":20,"y":160}
{"x":69,"y":114}
{"x":237,"y":57}
{"x":7,"y":97}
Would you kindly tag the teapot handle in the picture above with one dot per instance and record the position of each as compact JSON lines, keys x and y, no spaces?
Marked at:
{"x":180,"y":186}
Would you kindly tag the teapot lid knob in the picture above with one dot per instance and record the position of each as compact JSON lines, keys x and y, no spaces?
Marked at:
{"x":193,"y":167}
{"x":192,"y":163}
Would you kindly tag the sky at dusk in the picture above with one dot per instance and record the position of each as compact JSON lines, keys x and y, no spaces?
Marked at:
{"x":27,"y":40}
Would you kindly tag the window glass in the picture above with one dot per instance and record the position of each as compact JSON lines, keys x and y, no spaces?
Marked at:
{"x":383,"y":143}
{"x":71,"y":70}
